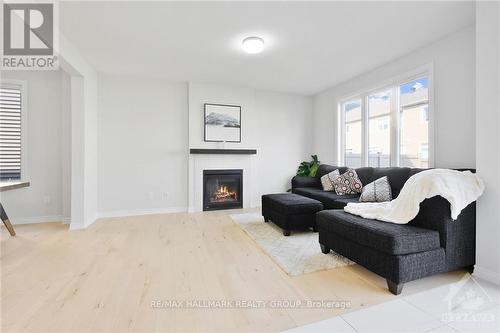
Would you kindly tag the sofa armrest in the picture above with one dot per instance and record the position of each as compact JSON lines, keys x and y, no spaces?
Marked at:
{"x":457,"y":237}
{"x":299,"y":181}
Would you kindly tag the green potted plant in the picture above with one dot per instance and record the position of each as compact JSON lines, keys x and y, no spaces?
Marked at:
{"x":309,"y":169}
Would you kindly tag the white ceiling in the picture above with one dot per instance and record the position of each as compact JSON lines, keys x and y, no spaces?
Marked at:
{"x":309,"y":46}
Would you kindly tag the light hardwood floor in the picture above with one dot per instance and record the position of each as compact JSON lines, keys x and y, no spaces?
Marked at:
{"x":104,"y":278}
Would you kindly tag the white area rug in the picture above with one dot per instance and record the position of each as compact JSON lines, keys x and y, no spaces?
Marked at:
{"x":296,"y":254}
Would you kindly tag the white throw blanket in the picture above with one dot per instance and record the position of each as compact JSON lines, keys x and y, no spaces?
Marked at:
{"x":460,"y":188}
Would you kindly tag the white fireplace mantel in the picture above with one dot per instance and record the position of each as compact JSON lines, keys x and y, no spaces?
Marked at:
{"x":219,"y":161}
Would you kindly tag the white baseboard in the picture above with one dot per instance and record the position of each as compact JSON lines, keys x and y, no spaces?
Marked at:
{"x":139,"y":212}
{"x":73,"y":227}
{"x":487,"y":274}
{"x":38,"y":219}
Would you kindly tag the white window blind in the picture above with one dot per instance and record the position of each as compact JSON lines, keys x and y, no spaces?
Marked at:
{"x":10,"y":133}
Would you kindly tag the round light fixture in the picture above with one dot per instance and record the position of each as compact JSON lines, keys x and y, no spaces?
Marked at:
{"x":253,"y":45}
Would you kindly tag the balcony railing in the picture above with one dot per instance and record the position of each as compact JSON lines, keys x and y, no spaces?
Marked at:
{"x":384,"y":160}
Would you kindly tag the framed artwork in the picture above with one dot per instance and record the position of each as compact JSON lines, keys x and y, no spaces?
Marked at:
{"x":222,"y":123}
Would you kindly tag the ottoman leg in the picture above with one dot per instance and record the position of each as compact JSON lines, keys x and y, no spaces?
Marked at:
{"x":266,"y":219}
{"x":286,"y":232}
{"x":324,"y":249}
{"x":315,"y":229}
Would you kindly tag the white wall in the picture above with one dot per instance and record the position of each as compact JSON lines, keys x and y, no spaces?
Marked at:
{"x":278,"y":125}
{"x":83,"y":134}
{"x":43,"y":201}
{"x":143,"y":169}
{"x":453,"y":60}
{"x":488,"y":138}
{"x":143,"y":141}
{"x":284,"y":130}
{"x":90,"y":156}
{"x":201,"y":93}
{"x":66,"y":146}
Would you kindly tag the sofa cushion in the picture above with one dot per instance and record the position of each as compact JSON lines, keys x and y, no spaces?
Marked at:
{"x":327,"y":180}
{"x":394,"y":239}
{"x":365,"y":174}
{"x":291,"y":204}
{"x":330,"y":200}
{"x":377,"y":191}
{"x":347,"y":183}
{"x":397,"y":177}
{"x":326,"y":169}
{"x":343,"y":201}
{"x":300,"y":181}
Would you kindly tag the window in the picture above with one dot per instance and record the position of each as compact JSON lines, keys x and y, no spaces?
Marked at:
{"x":352,"y":116}
{"x":424,"y":151}
{"x":383,"y":124}
{"x":379,"y":140}
{"x":11,"y":136}
{"x":414,"y":123}
{"x":424,"y":114}
{"x":389,"y":126}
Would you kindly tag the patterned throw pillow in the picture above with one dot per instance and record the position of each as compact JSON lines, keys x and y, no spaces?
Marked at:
{"x":348,"y":183}
{"x":327,"y":180}
{"x":377,"y":191}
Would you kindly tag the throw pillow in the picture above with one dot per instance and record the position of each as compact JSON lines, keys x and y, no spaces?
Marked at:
{"x":377,"y":191}
{"x":348,"y":183}
{"x":327,"y":180}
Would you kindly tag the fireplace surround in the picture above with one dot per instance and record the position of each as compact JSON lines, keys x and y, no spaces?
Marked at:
{"x":222,"y":189}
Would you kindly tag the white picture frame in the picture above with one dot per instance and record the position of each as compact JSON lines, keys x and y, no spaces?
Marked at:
{"x":222,"y":123}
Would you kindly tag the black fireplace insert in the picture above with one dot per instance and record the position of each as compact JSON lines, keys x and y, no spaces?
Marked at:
{"x":222,"y":189}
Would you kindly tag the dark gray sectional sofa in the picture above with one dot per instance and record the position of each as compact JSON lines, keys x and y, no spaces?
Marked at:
{"x":431,"y":243}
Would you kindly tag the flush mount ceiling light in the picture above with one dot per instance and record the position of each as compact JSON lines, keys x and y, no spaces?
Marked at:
{"x":253,"y":45}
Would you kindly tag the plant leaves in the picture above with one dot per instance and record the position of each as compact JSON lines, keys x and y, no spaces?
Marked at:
{"x":313,"y":170}
{"x":309,"y":169}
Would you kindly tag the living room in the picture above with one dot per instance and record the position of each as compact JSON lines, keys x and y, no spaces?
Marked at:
{"x":250,"y":166}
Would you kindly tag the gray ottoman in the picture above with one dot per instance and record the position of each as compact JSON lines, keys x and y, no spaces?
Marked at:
{"x":290,"y":211}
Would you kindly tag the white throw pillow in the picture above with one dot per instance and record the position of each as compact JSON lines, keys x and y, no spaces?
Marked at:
{"x":327,"y":180}
{"x":377,"y":191}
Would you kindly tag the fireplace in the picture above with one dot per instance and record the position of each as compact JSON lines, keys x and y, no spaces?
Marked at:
{"x":222,"y":189}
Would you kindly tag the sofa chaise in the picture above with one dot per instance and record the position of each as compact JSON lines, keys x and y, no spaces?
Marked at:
{"x":429,"y":244}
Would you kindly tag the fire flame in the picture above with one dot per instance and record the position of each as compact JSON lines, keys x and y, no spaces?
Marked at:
{"x":224,"y":193}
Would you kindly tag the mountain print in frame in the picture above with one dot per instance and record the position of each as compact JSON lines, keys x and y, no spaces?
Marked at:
{"x":222,"y":123}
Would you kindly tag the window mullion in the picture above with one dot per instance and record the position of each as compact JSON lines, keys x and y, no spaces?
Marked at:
{"x":365,"y":129}
{"x":395,"y":125}
{"x":342,"y":129}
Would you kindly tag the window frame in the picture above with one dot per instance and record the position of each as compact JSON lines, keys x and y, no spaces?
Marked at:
{"x":395,"y":124}
{"x":23,"y":86}
{"x":343,"y":132}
